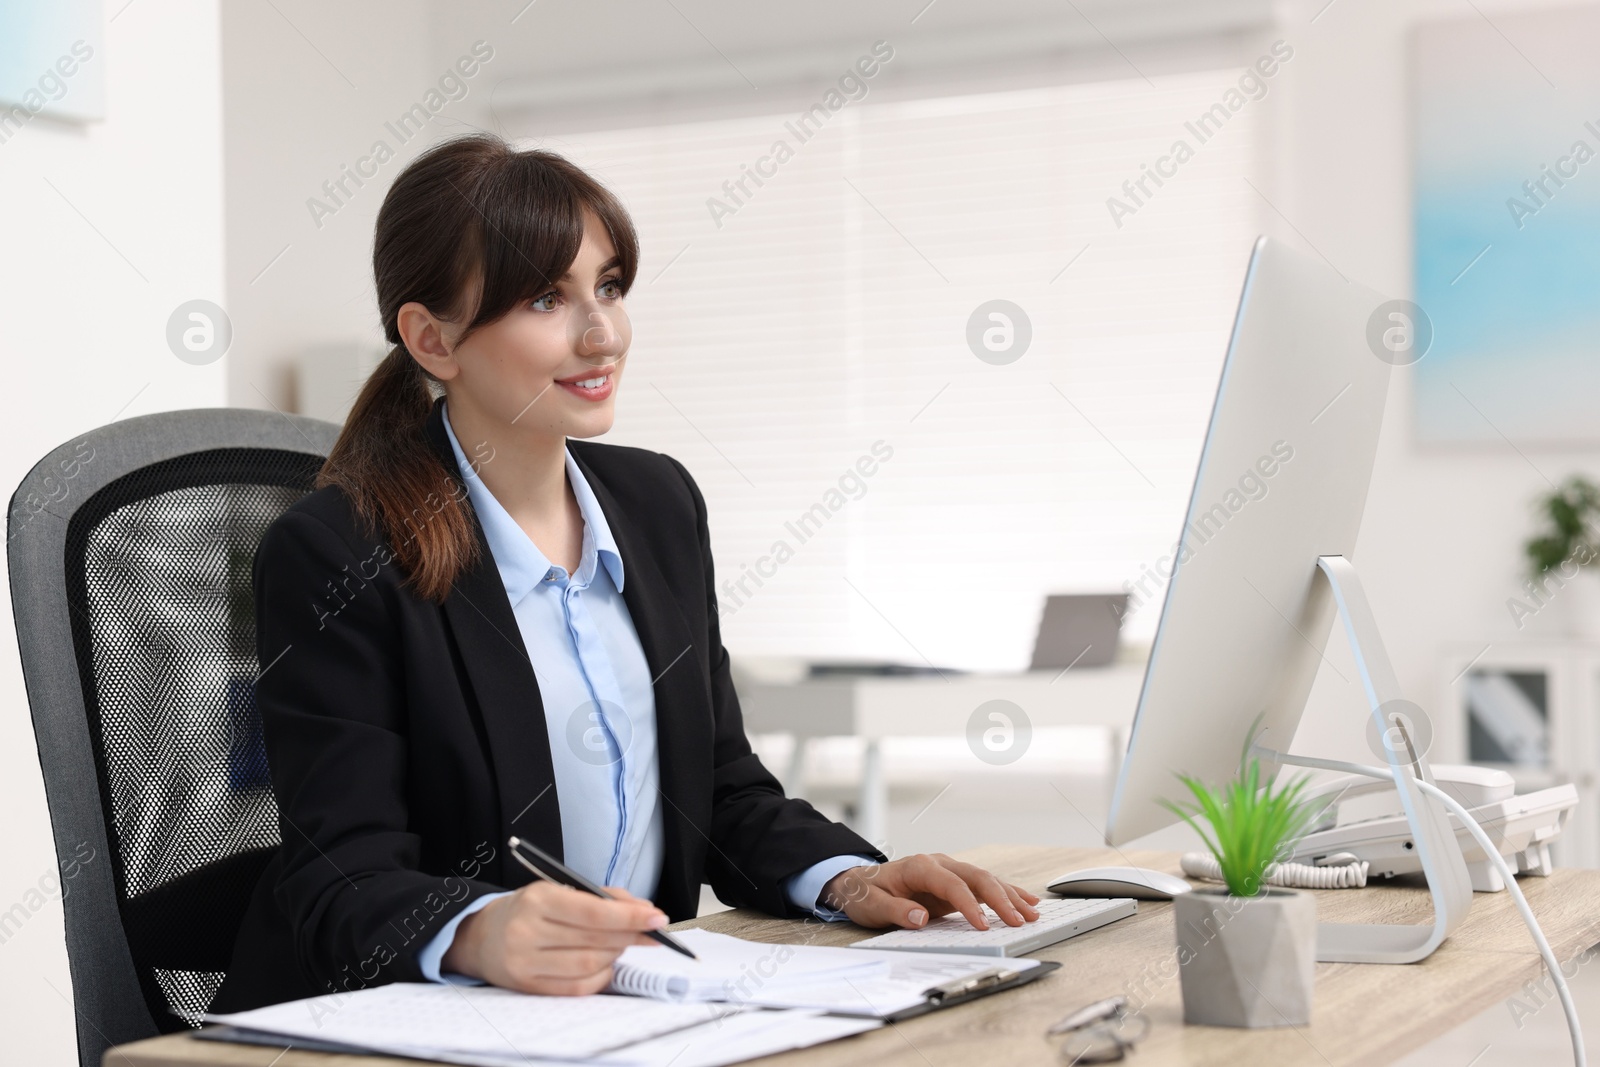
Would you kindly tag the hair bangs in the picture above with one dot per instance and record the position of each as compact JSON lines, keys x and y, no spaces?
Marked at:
{"x":530,"y":228}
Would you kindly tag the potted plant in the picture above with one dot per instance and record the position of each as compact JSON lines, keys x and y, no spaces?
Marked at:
{"x":1247,"y":952}
{"x":1557,"y":555}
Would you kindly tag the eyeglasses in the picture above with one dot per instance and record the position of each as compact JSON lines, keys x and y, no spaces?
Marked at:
{"x":1103,"y":1032}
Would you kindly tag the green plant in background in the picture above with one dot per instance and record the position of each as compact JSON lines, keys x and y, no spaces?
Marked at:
{"x":1253,"y":826}
{"x":1572,"y":512}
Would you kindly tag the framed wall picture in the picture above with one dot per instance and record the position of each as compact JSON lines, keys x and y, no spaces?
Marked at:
{"x":52,"y":63}
{"x":1507,"y":228}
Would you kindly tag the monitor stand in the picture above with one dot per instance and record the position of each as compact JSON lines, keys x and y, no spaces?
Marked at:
{"x":1442,"y":862}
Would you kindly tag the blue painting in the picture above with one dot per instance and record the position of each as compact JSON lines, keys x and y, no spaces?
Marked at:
{"x":1507,"y":185}
{"x":52,"y":62}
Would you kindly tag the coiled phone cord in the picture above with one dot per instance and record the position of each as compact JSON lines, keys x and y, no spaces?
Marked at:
{"x":1286,"y":875}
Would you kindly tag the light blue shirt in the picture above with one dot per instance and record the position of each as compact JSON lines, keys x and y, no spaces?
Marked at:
{"x":599,"y":706}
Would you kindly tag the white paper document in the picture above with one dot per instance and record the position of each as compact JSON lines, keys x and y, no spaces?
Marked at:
{"x":904,"y":984}
{"x":481,"y":1026}
{"x":737,"y":1001}
{"x":484,"y":1020}
{"x":737,"y":1036}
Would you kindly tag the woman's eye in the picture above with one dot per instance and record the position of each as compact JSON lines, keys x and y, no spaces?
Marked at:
{"x":611,"y":288}
{"x":544,"y":303}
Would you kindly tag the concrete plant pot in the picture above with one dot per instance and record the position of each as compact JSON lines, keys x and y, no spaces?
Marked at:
{"x":1246,"y":961}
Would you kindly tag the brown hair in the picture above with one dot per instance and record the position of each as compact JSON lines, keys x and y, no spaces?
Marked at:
{"x":470,"y":213}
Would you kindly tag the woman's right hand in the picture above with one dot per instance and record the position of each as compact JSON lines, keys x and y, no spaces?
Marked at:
{"x":548,"y":938}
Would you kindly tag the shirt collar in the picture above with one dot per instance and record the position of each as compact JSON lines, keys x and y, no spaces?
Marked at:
{"x":522,"y":566}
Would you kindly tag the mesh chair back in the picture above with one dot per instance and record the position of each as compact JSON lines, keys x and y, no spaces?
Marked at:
{"x":130,"y":554}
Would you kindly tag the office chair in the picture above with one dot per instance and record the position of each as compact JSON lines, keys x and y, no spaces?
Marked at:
{"x":130,"y":559}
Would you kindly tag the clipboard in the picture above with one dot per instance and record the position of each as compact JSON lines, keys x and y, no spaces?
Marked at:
{"x":967,"y":989}
{"x":238,"y":1035}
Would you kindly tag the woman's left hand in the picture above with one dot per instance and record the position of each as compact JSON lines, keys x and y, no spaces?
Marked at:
{"x":905,"y":892}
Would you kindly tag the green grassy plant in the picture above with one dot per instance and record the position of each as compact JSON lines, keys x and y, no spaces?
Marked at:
{"x":1252,"y":826}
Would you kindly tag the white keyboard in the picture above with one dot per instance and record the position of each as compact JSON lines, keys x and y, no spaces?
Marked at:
{"x":1058,"y":920}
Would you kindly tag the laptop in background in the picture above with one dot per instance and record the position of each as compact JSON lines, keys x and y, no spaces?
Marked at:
{"x":1079,"y":629}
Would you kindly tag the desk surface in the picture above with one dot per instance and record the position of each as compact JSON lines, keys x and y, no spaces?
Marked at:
{"x":927,"y":705}
{"x":1362,"y":1012}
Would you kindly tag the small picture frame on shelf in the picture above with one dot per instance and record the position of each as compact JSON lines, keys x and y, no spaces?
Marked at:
{"x":1531,"y":708}
{"x":1508,"y":716}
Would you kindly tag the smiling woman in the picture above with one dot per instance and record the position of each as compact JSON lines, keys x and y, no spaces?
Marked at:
{"x":524,"y":641}
{"x":456,"y":226}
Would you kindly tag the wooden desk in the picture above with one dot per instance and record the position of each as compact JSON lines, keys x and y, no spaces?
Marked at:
{"x":1363,"y":1012}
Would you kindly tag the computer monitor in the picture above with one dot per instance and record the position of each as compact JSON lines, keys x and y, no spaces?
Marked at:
{"x":1263,"y":563}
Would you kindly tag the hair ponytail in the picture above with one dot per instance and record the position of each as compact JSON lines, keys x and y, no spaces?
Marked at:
{"x":470,"y":229}
{"x":384,"y":463}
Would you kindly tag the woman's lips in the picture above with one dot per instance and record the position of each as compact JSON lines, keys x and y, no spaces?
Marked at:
{"x":595,"y":388}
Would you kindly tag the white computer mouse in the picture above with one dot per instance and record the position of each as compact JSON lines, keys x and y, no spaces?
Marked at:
{"x":1138,"y":882}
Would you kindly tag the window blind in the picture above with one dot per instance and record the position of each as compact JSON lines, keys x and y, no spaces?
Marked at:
{"x":876,"y":490}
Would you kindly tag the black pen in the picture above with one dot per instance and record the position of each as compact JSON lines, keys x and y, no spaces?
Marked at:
{"x":551,"y":869}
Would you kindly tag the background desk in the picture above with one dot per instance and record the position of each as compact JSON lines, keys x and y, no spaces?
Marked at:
{"x":875,"y":707}
{"x":1363,"y":1013}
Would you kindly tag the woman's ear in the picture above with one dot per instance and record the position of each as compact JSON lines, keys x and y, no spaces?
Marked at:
{"x":424,"y":335}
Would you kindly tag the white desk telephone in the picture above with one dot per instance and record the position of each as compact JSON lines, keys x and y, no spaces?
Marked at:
{"x":1366,"y":822}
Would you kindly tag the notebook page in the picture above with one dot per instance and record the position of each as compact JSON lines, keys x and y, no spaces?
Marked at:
{"x":732,"y":969}
{"x":418,"y":1018}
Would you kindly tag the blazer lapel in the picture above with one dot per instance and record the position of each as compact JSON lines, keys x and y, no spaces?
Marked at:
{"x":684,"y":734}
{"x":507,"y":692}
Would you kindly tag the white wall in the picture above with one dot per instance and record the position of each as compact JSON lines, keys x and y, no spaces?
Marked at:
{"x":1440,"y":550}
{"x":297,"y":110}
{"x":90,"y":271}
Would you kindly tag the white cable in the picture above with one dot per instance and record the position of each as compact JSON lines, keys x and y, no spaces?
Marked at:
{"x":1288,"y":875}
{"x":1510,"y":876}
{"x":1460,"y":811}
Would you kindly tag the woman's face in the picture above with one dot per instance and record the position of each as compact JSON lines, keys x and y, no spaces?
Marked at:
{"x":552,"y":364}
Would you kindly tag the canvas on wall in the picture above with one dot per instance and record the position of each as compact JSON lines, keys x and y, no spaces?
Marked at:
{"x":51,"y":63}
{"x":1507,"y":228}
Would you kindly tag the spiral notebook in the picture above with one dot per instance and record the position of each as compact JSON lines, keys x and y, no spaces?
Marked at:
{"x":866,"y":983}
{"x":732,"y":969}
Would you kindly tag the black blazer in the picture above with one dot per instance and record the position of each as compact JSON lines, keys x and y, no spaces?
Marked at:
{"x":407,"y":739}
